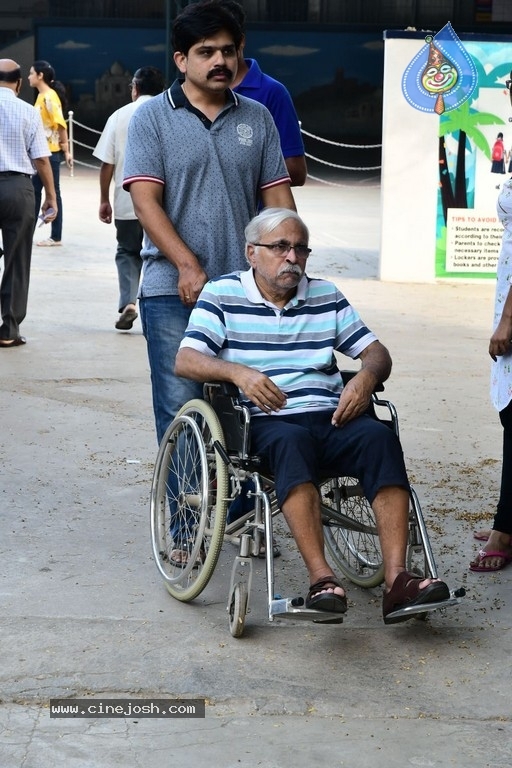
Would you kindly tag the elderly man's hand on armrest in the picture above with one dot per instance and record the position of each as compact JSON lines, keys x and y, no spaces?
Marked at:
{"x":356,"y":394}
{"x":255,"y":385}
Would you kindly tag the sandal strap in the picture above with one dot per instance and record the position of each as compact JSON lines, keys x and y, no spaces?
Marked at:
{"x":324,"y":583}
{"x":406,"y":591}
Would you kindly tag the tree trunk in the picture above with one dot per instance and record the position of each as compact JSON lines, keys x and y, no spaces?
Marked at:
{"x":461,"y":198}
{"x":447,"y":196}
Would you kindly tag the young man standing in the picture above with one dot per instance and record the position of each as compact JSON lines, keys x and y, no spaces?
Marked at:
{"x":199,"y":161}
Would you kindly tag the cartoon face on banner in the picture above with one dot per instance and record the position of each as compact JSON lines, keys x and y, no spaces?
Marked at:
{"x":442,"y":76}
{"x":439,"y":76}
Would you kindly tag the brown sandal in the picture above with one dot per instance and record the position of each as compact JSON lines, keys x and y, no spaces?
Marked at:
{"x":326,"y":601}
{"x":406,"y":593}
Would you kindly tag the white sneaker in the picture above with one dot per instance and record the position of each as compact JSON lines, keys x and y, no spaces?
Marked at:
{"x":49,"y":243}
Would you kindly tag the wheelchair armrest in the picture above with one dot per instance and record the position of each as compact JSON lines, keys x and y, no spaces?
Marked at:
{"x":229,"y":389}
{"x":234,"y":418}
{"x":347,"y":375}
{"x":225,"y":388}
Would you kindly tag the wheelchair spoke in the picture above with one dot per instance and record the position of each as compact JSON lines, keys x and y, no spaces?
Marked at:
{"x":350,"y":532}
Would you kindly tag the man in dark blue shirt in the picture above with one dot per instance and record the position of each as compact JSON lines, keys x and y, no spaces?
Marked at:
{"x":250,"y":81}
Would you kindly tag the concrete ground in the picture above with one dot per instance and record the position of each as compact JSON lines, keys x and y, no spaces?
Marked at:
{"x":85,"y":614}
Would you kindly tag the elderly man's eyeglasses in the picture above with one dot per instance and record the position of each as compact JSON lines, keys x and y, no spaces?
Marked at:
{"x":283,"y":248}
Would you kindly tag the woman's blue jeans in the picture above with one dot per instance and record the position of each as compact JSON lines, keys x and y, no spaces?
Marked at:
{"x":55,"y":161}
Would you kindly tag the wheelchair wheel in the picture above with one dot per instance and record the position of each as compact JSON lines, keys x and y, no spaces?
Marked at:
{"x":188,"y":501}
{"x":238,"y":609}
{"x":351,"y":533}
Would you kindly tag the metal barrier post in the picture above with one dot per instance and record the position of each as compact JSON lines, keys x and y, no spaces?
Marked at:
{"x":70,"y":139}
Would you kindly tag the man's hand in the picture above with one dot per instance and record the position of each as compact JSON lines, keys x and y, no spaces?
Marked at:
{"x":191,"y":279}
{"x":356,"y":395}
{"x":255,"y":385}
{"x":148,"y":201}
{"x":50,"y":203}
{"x":105,"y":213}
{"x":260,"y":389}
{"x":354,"y":399}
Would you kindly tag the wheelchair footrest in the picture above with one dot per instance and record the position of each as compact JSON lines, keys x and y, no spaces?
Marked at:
{"x":293,"y":608}
{"x":419,"y":610}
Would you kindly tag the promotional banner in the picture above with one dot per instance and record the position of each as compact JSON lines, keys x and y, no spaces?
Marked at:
{"x":447,"y":148}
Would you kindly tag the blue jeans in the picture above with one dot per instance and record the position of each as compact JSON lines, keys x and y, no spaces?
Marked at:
{"x":128,"y":261}
{"x":164,"y":320}
{"x":56,"y":159}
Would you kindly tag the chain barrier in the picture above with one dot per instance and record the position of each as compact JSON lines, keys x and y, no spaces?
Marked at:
{"x":343,"y":167}
{"x":73,"y":141}
{"x":340,"y":143}
{"x":337,"y":165}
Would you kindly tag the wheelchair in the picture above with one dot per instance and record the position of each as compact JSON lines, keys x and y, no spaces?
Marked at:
{"x":204,"y":464}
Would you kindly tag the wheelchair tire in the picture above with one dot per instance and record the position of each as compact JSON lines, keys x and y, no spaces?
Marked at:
{"x":191,"y":475}
{"x":237,"y":609}
{"x":351,"y":533}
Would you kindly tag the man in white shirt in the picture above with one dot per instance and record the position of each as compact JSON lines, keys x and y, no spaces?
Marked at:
{"x":146,"y":82}
{"x":23,"y":147}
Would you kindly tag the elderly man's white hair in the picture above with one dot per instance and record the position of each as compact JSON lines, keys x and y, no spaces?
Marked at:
{"x":268,"y":220}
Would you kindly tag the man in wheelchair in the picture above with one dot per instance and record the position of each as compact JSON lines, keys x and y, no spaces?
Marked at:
{"x":273,"y":332}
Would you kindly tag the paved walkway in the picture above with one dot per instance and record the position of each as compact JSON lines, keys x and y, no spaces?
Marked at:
{"x":85,"y":614}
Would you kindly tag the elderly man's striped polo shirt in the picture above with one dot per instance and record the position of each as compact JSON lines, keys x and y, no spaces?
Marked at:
{"x":294,"y":346}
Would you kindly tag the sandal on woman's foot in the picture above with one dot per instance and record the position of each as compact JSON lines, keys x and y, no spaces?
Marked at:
{"x":498,"y":557}
{"x":406,"y":593}
{"x":326,"y":601}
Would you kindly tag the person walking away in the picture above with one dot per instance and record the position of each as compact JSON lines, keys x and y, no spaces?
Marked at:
{"x":51,"y":101}
{"x":198,"y":160}
{"x":110,"y":149}
{"x":22,"y":146}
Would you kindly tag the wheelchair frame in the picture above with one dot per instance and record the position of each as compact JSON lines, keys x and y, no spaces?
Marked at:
{"x":202,"y":463}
